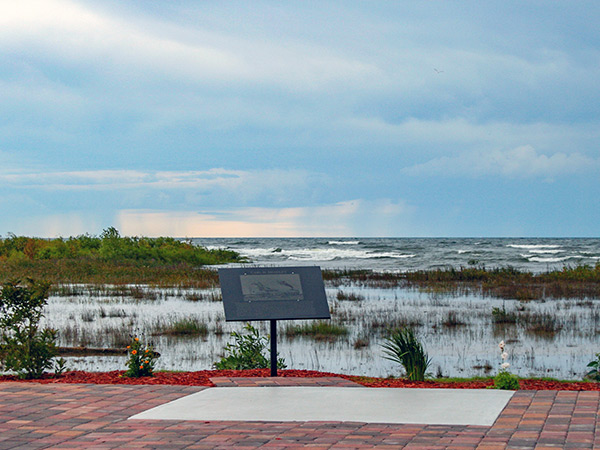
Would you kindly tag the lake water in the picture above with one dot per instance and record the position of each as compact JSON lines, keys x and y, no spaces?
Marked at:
{"x":402,"y":254}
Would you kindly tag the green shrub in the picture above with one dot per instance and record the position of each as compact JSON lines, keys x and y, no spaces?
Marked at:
{"x":111,"y":246}
{"x":404,"y":348}
{"x":246,"y":352}
{"x":24,"y":348}
{"x":141,"y":359}
{"x":594,"y":366}
{"x":506,"y":380}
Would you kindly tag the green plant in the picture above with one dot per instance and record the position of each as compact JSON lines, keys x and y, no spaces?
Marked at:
{"x":320,"y":330}
{"x":594,"y":365}
{"x":24,"y":348}
{"x":183,"y":327}
{"x":404,"y":348}
{"x":505,"y":379}
{"x":501,"y":315}
{"x":246,"y":352}
{"x":141,"y":359}
{"x":350,"y":296}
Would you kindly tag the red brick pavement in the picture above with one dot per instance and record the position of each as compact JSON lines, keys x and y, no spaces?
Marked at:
{"x":78,"y":416}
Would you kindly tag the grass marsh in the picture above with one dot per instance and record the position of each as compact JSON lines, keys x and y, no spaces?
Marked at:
{"x":460,"y":350}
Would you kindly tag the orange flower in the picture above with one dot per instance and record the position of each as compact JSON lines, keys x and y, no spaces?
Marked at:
{"x":129,"y":346}
{"x":147,"y":350}
{"x":133,"y":352}
{"x":136,"y":339}
{"x":147,"y":362}
{"x":141,"y":367}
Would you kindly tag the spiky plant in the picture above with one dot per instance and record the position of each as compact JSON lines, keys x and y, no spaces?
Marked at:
{"x":404,"y":347}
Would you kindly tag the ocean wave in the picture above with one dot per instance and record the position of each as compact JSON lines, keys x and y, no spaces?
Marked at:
{"x":329,"y":254}
{"x":545,"y":251}
{"x":533,"y":258}
{"x":530,"y":246}
{"x":343,"y":242}
{"x":258,"y":252}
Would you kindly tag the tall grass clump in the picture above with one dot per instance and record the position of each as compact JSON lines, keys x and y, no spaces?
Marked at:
{"x":403,"y":347}
{"x":501,"y":315}
{"x":182,"y":327}
{"x":320,"y":330}
{"x":349,"y":296}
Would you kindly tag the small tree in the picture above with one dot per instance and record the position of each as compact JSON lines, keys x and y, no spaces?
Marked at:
{"x":24,"y":348}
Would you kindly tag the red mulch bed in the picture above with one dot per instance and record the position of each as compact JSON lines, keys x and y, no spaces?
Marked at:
{"x":202,"y":378}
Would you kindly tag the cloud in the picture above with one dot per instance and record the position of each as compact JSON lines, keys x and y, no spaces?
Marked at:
{"x":522,"y":161}
{"x":459,"y":130}
{"x":248,"y":184}
{"x":125,"y":46}
{"x":382,"y":218}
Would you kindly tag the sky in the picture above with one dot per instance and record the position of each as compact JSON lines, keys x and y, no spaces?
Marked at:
{"x":300,"y":118}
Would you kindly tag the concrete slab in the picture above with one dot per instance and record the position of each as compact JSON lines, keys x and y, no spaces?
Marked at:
{"x":371,"y":405}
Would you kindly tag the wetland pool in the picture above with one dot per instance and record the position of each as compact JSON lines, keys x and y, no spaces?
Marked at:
{"x":553,"y":338}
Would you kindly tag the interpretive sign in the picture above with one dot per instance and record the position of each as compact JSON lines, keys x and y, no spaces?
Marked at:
{"x":273,"y":293}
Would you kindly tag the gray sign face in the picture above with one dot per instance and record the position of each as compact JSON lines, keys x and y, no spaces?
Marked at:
{"x":265,"y":293}
{"x":271,"y":287}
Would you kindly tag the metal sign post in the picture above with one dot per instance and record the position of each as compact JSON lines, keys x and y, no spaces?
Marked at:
{"x":273,"y":348}
{"x":273,"y":293}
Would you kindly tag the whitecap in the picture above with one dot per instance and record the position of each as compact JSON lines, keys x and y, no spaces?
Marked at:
{"x":552,"y":260}
{"x":330,"y":254}
{"x":545,"y":251}
{"x":343,"y":242}
{"x":530,"y":246}
{"x":257,"y":252}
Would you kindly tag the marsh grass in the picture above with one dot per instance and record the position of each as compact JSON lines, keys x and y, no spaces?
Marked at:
{"x":180,"y":327}
{"x":502,"y":316}
{"x":582,"y":282}
{"x":361,"y":341}
{"x":452,"y":320}
{"x":386,"y":323}
{"x":98,"y":272}
{"x":319,"y":330}
{"x":543,"y":325}
{"x":349,"y":296}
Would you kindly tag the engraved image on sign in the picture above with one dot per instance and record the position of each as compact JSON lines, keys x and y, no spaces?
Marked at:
{"x":271,"y":287}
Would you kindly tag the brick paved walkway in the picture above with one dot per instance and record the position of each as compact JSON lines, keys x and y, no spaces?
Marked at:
{"x":78,"y":416}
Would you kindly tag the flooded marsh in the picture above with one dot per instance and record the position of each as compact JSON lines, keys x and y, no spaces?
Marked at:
{"x":555,"y":338}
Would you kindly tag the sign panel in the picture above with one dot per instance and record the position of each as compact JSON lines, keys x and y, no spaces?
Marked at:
{"x":273,"y":293}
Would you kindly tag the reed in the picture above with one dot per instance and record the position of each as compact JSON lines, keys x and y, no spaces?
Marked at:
{"x":500,"y":315}
{"x":349,"y":296}
{"x":319,"y":330}
{"x":541,"y":324}
{"x":181,"y":327}
{"x":452,"y":320}
{"x":581,"y":282}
